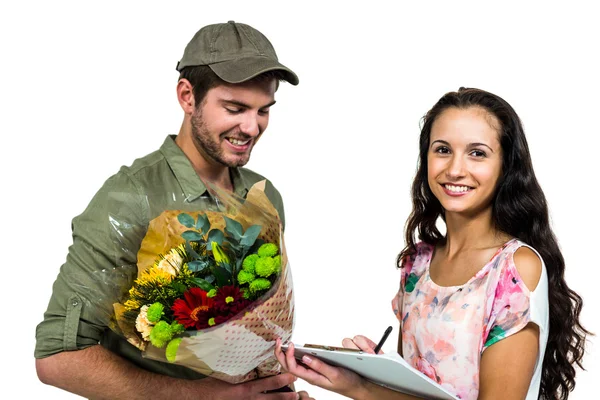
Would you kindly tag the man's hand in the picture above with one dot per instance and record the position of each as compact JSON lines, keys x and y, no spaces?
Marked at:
{"x":254,"y":390}
{"x":116,"y":378}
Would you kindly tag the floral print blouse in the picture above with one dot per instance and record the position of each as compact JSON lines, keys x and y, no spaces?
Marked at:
{"x":446,"y":329}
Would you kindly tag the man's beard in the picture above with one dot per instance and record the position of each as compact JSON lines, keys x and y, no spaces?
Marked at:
{"x":210,"y":148}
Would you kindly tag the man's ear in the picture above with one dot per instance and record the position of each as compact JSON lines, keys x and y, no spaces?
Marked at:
{"x":185,"y":96}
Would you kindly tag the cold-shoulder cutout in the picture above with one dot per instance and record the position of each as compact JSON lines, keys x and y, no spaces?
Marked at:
{"x":529,"y":266}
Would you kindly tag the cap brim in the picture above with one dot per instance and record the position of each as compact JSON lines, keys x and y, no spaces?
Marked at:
{"x":243,"y":69}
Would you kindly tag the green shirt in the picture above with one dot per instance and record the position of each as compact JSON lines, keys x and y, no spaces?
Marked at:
{"x":101,"y":261}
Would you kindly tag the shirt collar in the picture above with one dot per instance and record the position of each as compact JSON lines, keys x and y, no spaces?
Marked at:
{"x":190,"y":182}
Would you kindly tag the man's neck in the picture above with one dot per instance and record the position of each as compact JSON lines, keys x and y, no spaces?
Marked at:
{"x":208,"y":171}
{"x":221,"y":178}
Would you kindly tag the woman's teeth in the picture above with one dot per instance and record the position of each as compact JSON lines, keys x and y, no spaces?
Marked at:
{"x":456,"y":189}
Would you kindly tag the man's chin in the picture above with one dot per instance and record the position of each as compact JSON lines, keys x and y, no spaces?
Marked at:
{"x":236,"y":163}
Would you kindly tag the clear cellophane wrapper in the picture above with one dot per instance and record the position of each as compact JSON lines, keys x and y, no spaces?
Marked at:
{"x":240,"y":349}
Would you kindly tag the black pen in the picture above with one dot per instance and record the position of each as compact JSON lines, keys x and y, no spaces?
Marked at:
{"x":382,"y":341}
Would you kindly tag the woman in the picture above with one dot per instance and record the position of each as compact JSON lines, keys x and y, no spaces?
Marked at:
{"x":484,"y":308}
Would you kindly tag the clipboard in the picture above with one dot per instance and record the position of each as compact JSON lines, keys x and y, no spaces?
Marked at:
{"x":387,"y":370}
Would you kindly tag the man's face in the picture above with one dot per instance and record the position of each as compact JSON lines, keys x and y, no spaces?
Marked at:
{"x":230,"y":120}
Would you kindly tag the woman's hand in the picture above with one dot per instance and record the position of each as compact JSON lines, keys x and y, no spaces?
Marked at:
{"x":316,"y":372}
{"x":361,"y":342}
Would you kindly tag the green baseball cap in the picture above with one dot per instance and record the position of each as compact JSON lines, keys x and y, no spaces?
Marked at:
{"x":235,"y":52}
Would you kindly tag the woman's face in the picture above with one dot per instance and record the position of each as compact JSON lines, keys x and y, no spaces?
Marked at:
{"x":464,"y":160}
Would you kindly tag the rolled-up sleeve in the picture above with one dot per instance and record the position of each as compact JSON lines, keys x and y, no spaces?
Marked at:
{"x":99,"y":268}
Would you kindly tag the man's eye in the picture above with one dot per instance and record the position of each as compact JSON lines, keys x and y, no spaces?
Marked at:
{"x":263,"y":112}
{"x":233,"y":110}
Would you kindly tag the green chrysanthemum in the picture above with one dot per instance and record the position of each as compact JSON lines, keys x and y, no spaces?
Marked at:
{"x":260,"y":284}
{"x":249,"y":262}
{"x":247,"y":294}
{"x":211,"y":293}
{"x":245,"y":277}
{"x":161,"y":334}
{"x":268,"y":250}
{"x":277,"y":260}
{"x":177,"y":328}
{"x":172,"y":348}
{"x":155,"y":312}
{"x":265,"y":266}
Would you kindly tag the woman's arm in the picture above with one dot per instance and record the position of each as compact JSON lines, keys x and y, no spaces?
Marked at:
{"x":339,"y":380}
{"x":507,"y":366}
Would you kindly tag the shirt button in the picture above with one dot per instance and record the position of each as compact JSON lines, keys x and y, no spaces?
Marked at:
{"x":75,"y":303}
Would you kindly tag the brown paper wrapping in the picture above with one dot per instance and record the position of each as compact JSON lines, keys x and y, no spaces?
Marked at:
{"x":240,"y":349}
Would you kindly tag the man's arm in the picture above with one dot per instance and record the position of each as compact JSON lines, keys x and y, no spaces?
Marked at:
{"x":97,"y":373}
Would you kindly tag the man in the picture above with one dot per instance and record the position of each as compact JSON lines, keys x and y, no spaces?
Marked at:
{"x":228,"y":77}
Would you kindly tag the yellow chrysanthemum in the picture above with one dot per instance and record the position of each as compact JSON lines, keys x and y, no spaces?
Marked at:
{"x":154,"y":276}
{"x":132,"y":304}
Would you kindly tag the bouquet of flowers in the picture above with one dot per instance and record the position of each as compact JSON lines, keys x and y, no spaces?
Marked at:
{"x":213,"y":289}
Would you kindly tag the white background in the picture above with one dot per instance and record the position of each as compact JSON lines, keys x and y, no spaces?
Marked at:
{"x":89,"y":86}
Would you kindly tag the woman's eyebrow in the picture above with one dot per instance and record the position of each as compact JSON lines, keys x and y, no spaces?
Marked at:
{"x":440,"y":141}
{"x":470,"y":145}
{"x":480,"y":144}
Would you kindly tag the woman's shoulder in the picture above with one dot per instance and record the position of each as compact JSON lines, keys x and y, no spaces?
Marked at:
{"x":420,"y":257}
{"x":524,"y":262}
{"x":528,"y":264}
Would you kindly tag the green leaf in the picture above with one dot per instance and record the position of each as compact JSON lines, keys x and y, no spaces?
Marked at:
{"x":179,"y":287}
{"x":203,"y":224}
{"x":191,"y":252}
{"x":215,"y":235}
{"x":233,"y":242}
{"x":186,"y":220}
{"x":257,"y":244}
{"x":226,"y":266}
{"x":233,"y":228}
{"x":202,"y":284}
{"x":238,"y":265}
{"x":236,"y":250}
{"x":250,"y":236}
{"x":191,"y":236}
{"x":222,"y":277}
{"x":198,"y":266}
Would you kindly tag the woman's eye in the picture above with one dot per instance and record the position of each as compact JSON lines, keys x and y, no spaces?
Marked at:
{"x":442,"y":150}
{"x":478,"y":153}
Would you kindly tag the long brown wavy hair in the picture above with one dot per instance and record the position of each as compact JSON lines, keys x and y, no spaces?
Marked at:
{"x":519,"y":209}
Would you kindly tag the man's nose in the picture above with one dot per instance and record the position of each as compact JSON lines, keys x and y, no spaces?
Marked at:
{"x":249,"y":125}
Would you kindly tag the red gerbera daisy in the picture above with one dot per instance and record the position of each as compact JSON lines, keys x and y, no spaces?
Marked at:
{"x":194,"y":310}
{"x":230,"y":300}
